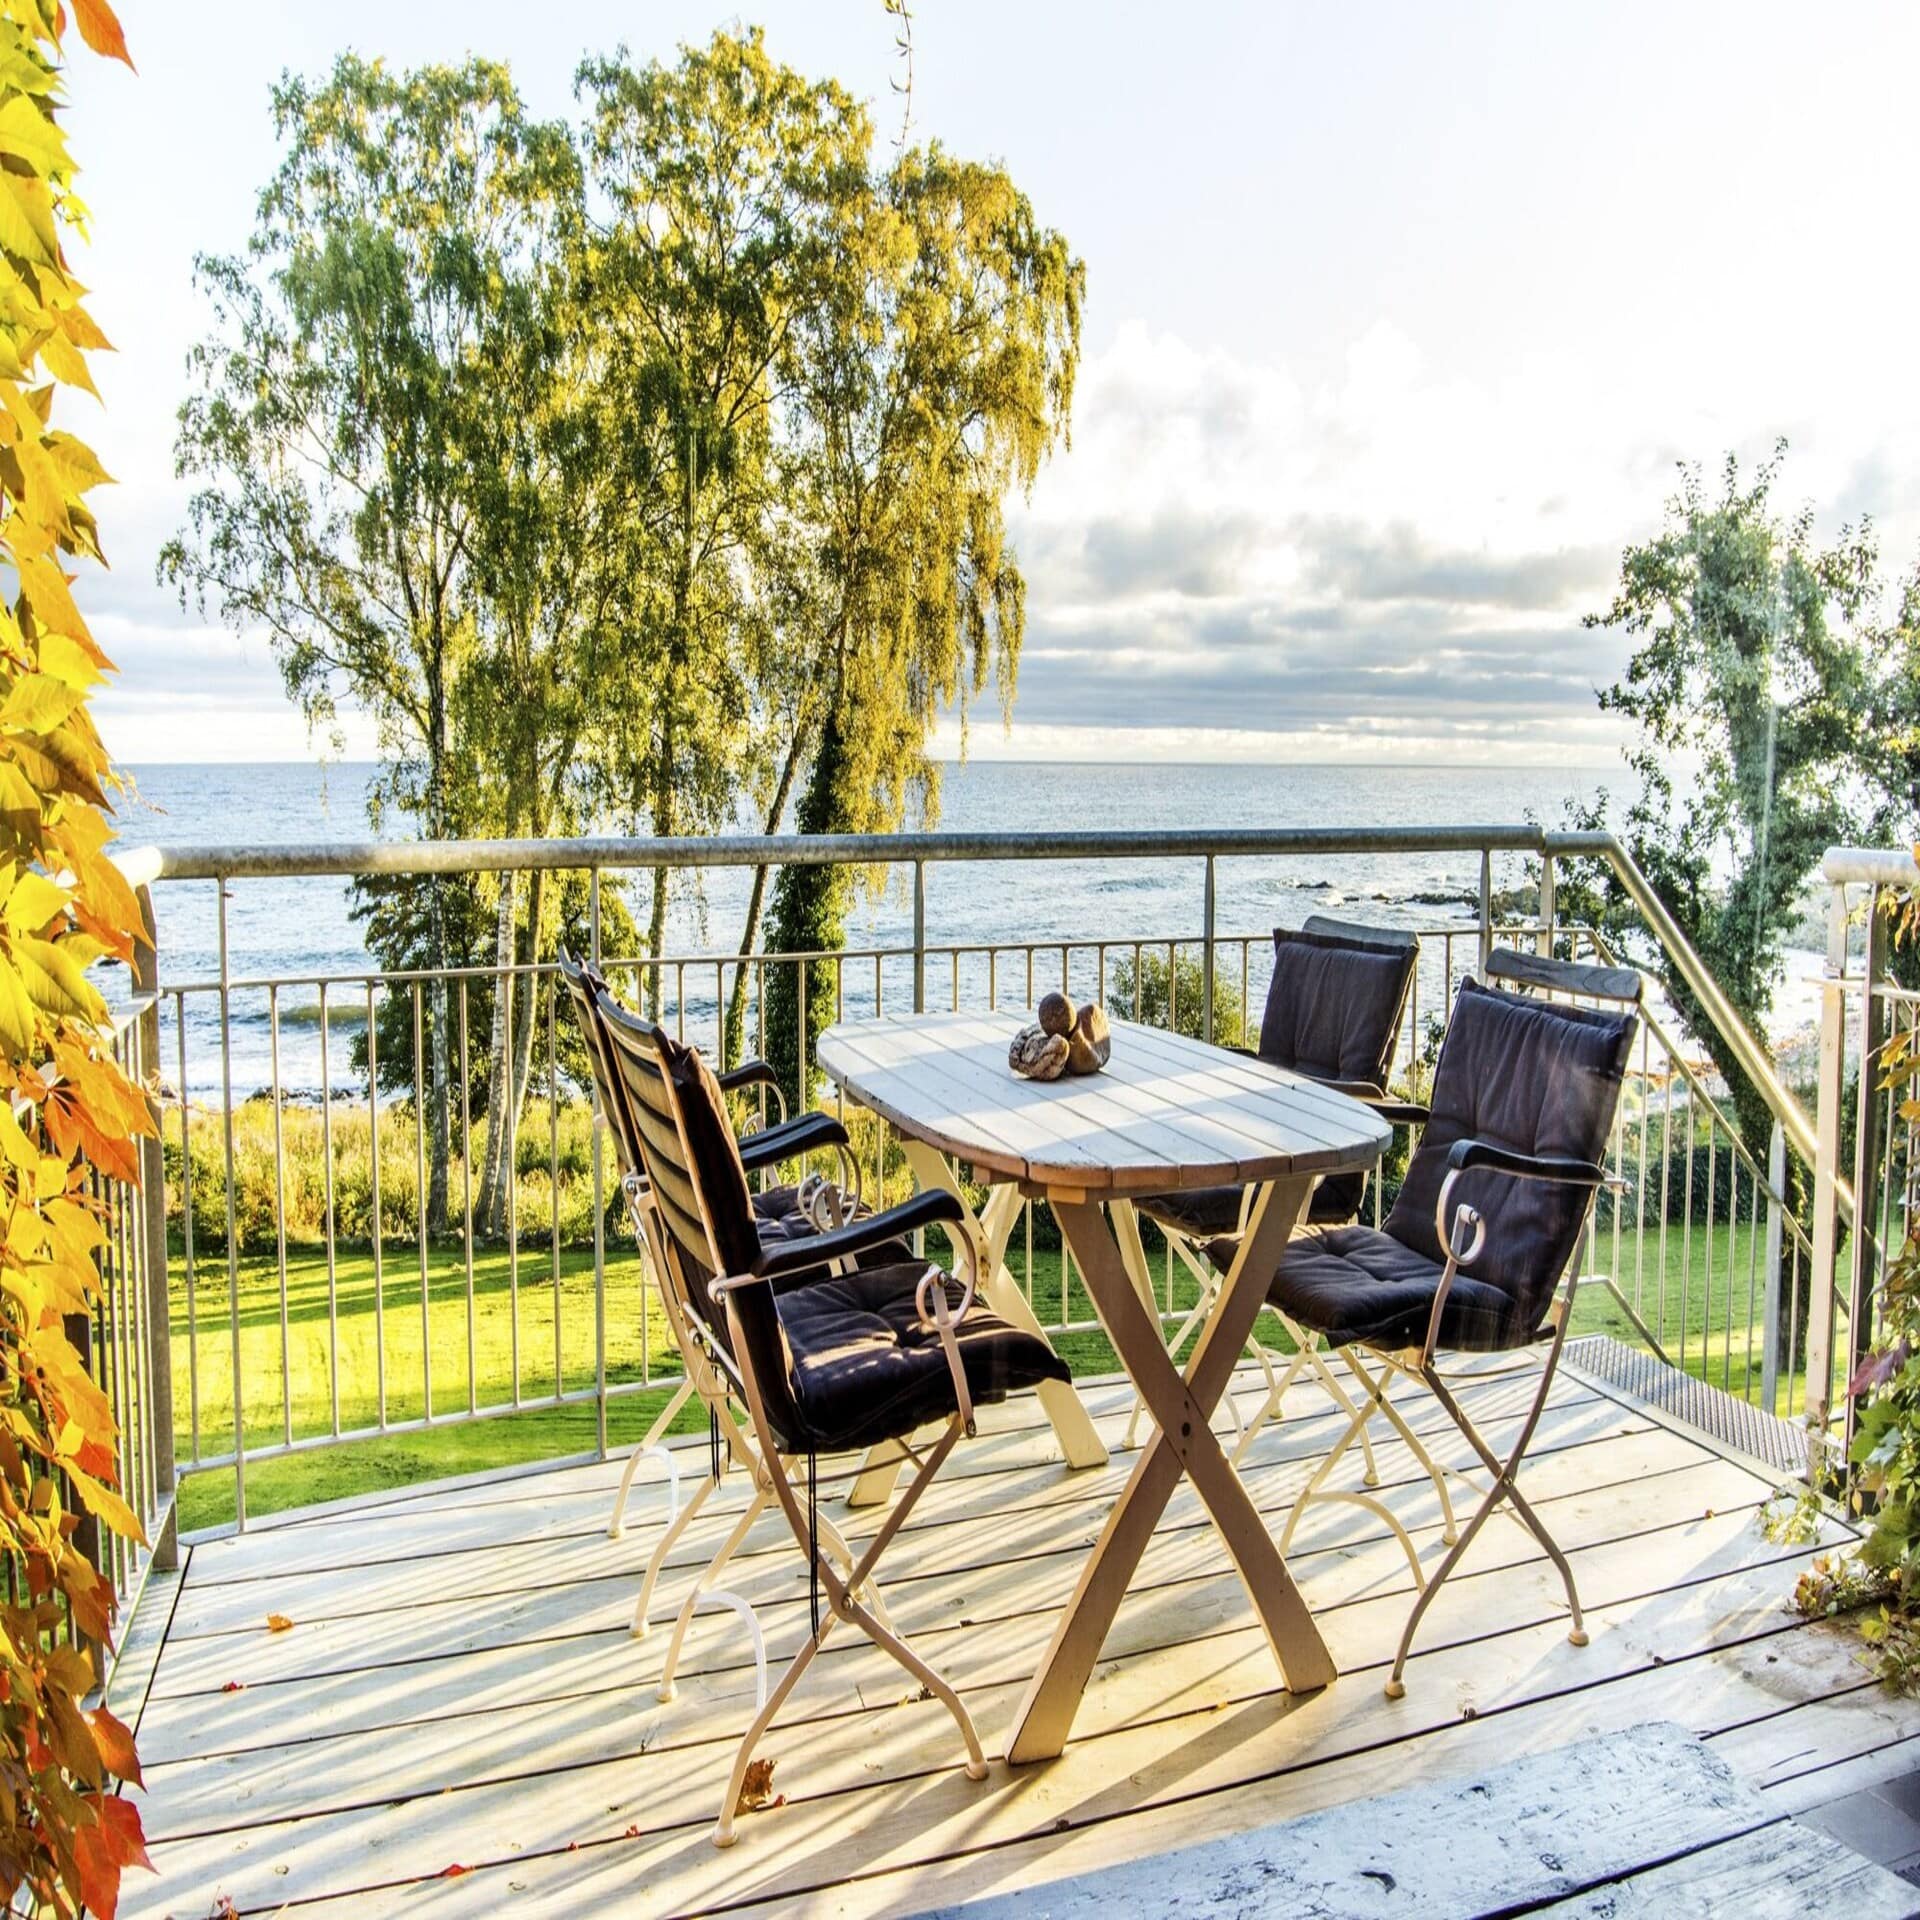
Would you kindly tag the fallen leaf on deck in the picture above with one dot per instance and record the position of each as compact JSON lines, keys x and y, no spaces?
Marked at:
{"x":633,"y":1832}
{"x":234,"y":1686}
{"x":278,"y":1623}
{"x":453,"y":1872}
{"x":756,"y":1790}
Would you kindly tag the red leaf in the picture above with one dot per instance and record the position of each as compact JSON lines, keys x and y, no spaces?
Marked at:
{"x":453,"y":1872}
{"x":103,"y":1849}
{"x":116,"y":1746}
{"x":234,"y":1686}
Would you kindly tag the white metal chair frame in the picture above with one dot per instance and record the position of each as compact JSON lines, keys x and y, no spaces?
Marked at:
{"x":1418,"y":1364}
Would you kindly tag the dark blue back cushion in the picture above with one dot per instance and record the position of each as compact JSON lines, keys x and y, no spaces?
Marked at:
{"x":1535,"y":1077}
{"x":1334,"y":1006}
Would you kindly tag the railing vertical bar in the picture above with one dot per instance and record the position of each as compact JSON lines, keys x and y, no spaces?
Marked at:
{"x":280,"y":1215}
{"x":553,"y":1159}
{"x":327,"y":1214}
{"x":920,"y":937}
{"x":233,"y":1225}
{"x":420,"y":1202}
{"x":1208,"y":911}
{"x":509,"y":1163}
{"x":376,"y":1224}
{"x":597,"y":1127}
{"x":1486,"y":909}
{"x":186,"y":1232}
{"x":466,"y":1199}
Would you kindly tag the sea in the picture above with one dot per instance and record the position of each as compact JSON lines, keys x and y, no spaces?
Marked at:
{"x":301,"y":930}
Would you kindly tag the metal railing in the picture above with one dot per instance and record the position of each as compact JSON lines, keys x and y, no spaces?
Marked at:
{"x":313,"y":1307}
{"x":1864,"y":1161}
{"x":125,"y":1340}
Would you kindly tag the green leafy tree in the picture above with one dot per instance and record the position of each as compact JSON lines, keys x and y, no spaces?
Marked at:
{"x":929,"y":385}
{"x":343,"y":414}
{"x":1746,"y":689}
{"x":720,"y":178}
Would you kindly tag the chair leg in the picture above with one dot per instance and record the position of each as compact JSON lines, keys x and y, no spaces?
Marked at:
{"x":650,"y":1445}
{"x":1503,"y":1488}
{"x":643,"y":1607}
{"x":1435,"y":1472}
{"x":708,"y":1575}
{"x":843,"y":1604}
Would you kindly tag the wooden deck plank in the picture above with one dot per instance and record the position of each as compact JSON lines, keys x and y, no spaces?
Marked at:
{"x":551,"y":1668}
{"x":1012,"y":1502}
{"x":1373,"y":1586}
{"x":1250,"y":1760}
{"x":257,"y":1655}
{"x":420,"y":1717}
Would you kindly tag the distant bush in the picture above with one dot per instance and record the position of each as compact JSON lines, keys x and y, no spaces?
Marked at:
{"x":1148,"y":994}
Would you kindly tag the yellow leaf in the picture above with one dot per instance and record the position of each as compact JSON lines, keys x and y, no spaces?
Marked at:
{"x":27,"y":131}
{"x":38,"y":702}
{"x":54,"y":981}
{"x":33,"y":901}
{"x":65,"y":362}
{"x":26,"y":219}
{"x":278,"y":1623}
{"x":76,"y":462}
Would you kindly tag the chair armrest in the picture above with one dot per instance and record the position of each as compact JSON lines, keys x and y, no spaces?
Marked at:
{"x":786,"y":1138}
{"x":1399,"y":1113}
{"x":1482,"y":1156}
{"x":754,"y":1073}
{"x":822,"y":1249}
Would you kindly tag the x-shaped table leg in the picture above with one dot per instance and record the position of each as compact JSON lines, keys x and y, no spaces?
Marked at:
{"x":1182,"y":1405}
{"x":1080,"y":1440}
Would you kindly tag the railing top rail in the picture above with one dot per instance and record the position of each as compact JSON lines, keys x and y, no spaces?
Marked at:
{"x":818,"y":850}
{"x":1870,"y":867}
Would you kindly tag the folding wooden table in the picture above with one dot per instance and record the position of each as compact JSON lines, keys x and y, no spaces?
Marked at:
{"x":1167,"y":1112}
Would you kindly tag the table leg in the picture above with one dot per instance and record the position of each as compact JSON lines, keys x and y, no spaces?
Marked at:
{"x":1073,"y":1426}
{"x":1182,"y":1405}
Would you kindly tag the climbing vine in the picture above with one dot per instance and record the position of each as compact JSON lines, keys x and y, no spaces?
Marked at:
{"x":66,"y":1832}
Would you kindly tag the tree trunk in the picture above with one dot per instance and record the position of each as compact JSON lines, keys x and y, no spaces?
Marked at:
{"x":491,"y":1203}
{"x":735,"y":1047}
{"x":809,"y":914}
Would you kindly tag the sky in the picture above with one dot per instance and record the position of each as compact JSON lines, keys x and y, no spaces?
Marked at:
{"x":1399,"y":319}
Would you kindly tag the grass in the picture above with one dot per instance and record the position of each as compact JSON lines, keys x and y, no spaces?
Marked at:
{"x":535,"y":1312}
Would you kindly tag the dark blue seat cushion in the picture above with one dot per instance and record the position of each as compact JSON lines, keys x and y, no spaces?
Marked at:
{"x":778,"y":1218}
{"x":1360,"y":1286}
{"x":863,"y":1369}
{"x":1207,"y":1213}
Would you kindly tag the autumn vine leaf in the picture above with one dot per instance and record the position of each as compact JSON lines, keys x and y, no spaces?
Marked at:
{"x":68,"y":1115}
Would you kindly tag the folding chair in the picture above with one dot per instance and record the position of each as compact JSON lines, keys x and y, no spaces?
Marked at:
{"x":1488,"y":1220}
{"x":1335,"y":1005}
{"x":633,"y":1104}
{"x":785,"y":1209}
{"x":856,"y":1357}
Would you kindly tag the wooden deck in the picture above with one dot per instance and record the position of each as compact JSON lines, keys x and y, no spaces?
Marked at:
{"x":458,"y":1721}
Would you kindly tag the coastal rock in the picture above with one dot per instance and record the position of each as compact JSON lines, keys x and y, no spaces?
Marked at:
{"x":1055,"y":1013}
{"x":1035,"y":1054}
{"x":1090,"y":1044}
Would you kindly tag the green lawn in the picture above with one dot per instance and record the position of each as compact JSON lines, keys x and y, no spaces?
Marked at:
{"x":475,"y":1332}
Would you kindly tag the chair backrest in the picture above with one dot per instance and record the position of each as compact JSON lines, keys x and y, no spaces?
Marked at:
{"x":1336,"y":1000}
{"x":1535,"y":1077}
{"x":654,"y":1138}
{"x":583,"y":983}
{"x":1524,"y":972}
{"x":704,"y":1197}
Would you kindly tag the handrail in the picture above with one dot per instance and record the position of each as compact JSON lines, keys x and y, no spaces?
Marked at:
{"x":821,"y":849}
{"x":1752,"y":1057}
{"x":347,"y":858}
{"x":1870,"y":867}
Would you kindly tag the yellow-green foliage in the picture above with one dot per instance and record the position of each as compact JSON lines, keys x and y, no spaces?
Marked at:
{"x":69,"y":1114}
